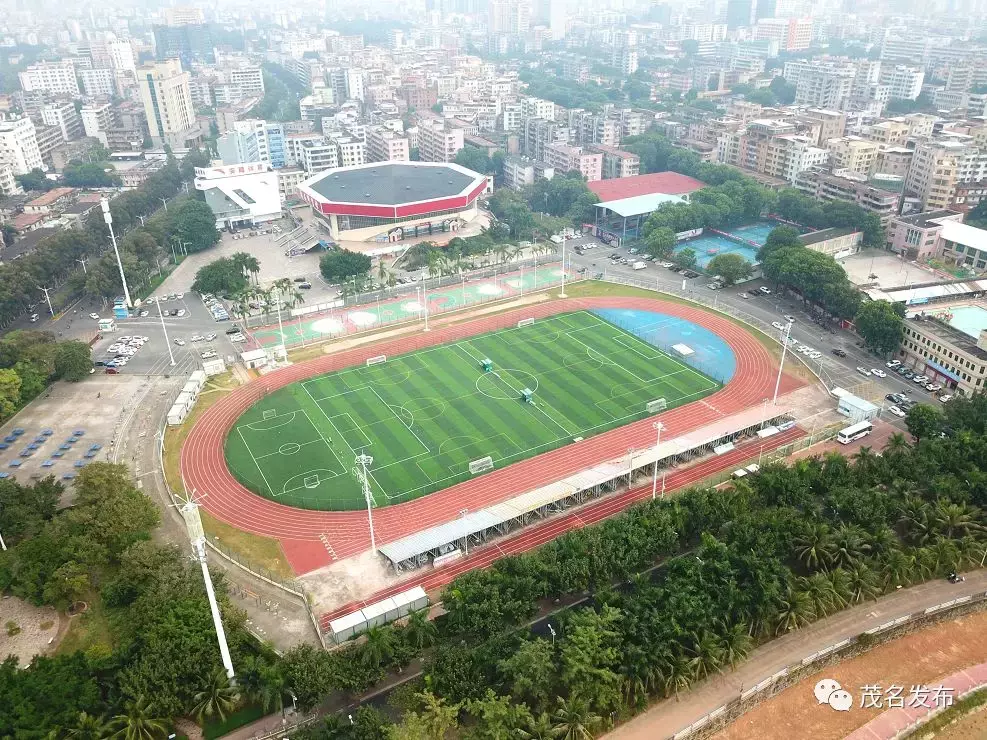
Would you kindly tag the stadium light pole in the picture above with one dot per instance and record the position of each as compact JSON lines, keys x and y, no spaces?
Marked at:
{"x":47,"y":293}
{"x":190,"y":513}
{"x":108,"y":218}
{"x":781,"y":365}
{"x":165,"y":330}
{"x":466,"y":538}
{"x":363,"y":461}
{"x":284,"y":345}
{"x":562,"y":293}
{"x":425,"y":299}
{"x":3,"y":545}
{"x":658,"y":427}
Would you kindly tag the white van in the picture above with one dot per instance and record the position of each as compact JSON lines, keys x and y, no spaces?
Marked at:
{"x":639,"y":265}
{"x":738,"y":474}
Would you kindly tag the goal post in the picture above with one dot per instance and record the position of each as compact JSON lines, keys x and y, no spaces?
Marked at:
{"x":269,"y":414}
{"x":481,"y":465}
{"x":659,"y":404}
{"x":311,"y":481}
{"x":376,"y":360}
{"x":526,"y":322}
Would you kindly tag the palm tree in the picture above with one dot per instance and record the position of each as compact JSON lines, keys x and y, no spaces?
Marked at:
{"x":862,"y":582}
{"x":539,"y":728}
{"x":918,"y":520}
{"x":274,"y":687}
{"x":735,"y":645}
{"x":820,"y":590}
{"x":956,"y":520}
{"x":796,"y":611}
{"x":865,"y":461}
{"x":706,"y":656}
{"x":138,"y":722}
{"x":574,"y":720}
{"x":218,"y":698}
{"x":88,"y":727}
{"x":638,"y":676}
{"x":432,"y":261}
{"x":897,"y":443}
{"x":379,"y":646}
{"x":420,"y":632}
{"x":678,"y":674}
{"x":897,"y":569}
{"x":849,"y":545}
{"x":815,"y":549}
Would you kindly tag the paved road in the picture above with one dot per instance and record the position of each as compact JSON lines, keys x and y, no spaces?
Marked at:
{"x":670,"y":716}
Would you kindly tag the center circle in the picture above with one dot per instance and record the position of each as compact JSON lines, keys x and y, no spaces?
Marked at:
{"x":424,"y":409}
{"x":289,"y":448}
{"x":506,"y":384}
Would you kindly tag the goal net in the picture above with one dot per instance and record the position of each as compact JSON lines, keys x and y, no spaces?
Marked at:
{"x":481,"y":465}
{"x":270,"y":413}
{"x":659,"y":404}
{"x":376,"y":360}
{"x":311,"y":481}
{"x":525,"y":322}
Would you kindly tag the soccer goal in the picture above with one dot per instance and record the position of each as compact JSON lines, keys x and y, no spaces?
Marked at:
{"x":376,"y":360}
{"x":659,"y":404}
{"x":481,"y":465}
{"x":526,"y":322}
{"x":270,"y":413}
{"x":311,"y":481}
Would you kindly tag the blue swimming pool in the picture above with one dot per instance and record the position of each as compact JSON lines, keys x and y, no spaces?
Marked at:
{"x":968,"y":319}
{"x":711,"y":354}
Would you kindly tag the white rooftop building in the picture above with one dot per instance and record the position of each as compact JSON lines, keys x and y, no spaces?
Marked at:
{"x":241,"y":194}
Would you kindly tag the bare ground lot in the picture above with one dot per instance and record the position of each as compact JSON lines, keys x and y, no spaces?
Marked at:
{"x":38,"y":629}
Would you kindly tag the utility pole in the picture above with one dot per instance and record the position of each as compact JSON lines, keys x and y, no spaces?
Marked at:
{"x":361,"y":472}
{"x":781,"y":365}
{"x":165,"y":201}
{"x":3,"y":545}
{"x":165,"y":330}
{"x":190,"y":513}
{"x":47,"y":298}
{"x":108,"y":218}
{"x":83,"y":263}
{"x":658,"y":427}
{"x":425,"y":299}
{"x":562,"y":293}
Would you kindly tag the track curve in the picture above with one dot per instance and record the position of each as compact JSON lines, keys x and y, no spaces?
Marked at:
{"x":312,"y":539}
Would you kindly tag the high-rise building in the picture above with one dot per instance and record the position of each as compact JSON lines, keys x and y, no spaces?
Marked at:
{"x":168,"y":103}
{"x":792,"y":34}
{"x":65,"y":118}
{"x":98,"y":83}
{"x":187,"y":42}
{"x":825,"y":86}
{"x":905,"y":83}
{"x":97,"y":120}
{"x":122,"y":56}
{"x":19,"y":146}
{"x":564,"y":158}
{"x":57,"y":78}
{"x":354,"y":85}
{"x":739,"y":13}
{"x":384,"y":145}
{"x":937,"y":167}
{"x":853,"y":154}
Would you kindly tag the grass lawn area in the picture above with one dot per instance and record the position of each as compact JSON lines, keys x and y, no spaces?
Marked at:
{"x":425,"y":416}
{"x":88,"y":630}
{"x":239,"y":718}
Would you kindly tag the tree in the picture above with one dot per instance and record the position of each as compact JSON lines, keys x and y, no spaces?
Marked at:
{"x":341,"y":265}
{"x":73,"y":361}
{"x":531,"y":671}
{"x":924,"y":421}
{"x":420,"y":632}
{"x":10,"y":392}
{"x":87,"y":175}
{"x":474,"y":158}
{"x":138,"y":721}
{"x":88,"y":727}
{"x":782,"y":90}
{"x":221,"y":277}
{"x":778,"y":238}
{"x":35,"y":180}
{"x":193,"y":224}
{"x":574,"y":720}
{"x":660,"y":243}
{"x":217,"y":699}
{"x":685,"y":258}
{"x":731,"y":267}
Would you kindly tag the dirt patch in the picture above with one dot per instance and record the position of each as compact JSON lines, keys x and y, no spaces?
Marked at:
{"x":350,"y":579}
{"x":38,"y":629}
{"x":919,"y":658}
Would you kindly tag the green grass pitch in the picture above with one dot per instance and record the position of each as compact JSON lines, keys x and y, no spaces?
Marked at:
{"x":424,"y":416}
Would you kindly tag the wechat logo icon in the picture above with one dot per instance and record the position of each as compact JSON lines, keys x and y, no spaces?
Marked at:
{"x":830,"y":692}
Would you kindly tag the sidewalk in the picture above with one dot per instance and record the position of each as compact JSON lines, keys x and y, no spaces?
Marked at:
{"x":670,"y":716}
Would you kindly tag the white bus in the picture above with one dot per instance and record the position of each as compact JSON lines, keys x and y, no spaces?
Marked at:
{"x":855,"y":432}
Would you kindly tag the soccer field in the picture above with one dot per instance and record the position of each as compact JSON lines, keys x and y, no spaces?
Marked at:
{"x":425,"y":416}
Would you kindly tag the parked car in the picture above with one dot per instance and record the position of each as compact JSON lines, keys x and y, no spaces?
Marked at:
{"x":863,"y":371}
{"x":789,"y":319}
{"x":839,"y":352}
{"x":94,"y":316}
{"x":181,"y":312}
{"x":300,"y":280}
{"x":180,"y":342}
{"x":878,"y":372}
{"x":305,"y":286}
{"x":893,"y":364}
{"x":778,"y":325}
{"x":896,"y":411}
{"x":764,"y":291}
{"x":112,"y":371}
{"x":946,"y":398}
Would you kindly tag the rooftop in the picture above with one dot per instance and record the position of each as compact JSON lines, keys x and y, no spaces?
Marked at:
{"x":969,"y":236}
{"x":667,"y":183}
{"x":824,"y":235}
{"x":639,"y":204}
{"x":393,"y":183}
{"x":51,"y":196}
{"x":927,"y":219}
{"x":946,"y":333}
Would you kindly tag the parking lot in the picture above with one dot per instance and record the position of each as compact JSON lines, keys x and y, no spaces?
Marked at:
{"x":96,"y":407}
{"x":888,"y":270}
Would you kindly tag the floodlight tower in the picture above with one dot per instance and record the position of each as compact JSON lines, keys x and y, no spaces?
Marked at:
{"x":362,"y":461}
{"x":190,"y":513}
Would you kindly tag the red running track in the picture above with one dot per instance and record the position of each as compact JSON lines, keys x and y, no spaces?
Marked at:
{"x":536,"y":536}
{"x":312,"y":539}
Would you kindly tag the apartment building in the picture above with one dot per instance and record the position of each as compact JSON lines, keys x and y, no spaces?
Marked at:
{"x":249,"y":79}
{"x":904,"y":83}
{"x":438,"y":142}
{"x":319,"y":156}
{"x":616,"y":162}
{"x":8,"y":184}
{"x":49,"y":138}
{"x":537,"y":108}
{"x":565,"y":158}
{"x":122,"y":56}
{"x":384,"y":145}
{"x":894,"y":161}
{"x":96,"y":120}
{"x":853,"y":154}
{"x":57,"y":78}
{"x":98,"y":83}
{"x":938,"y":166}
{"x":771,"y":147}
{"x":916,"y":237}
{"x":791,"y":34}
{"x":351,"y":150}
{"x":19,"y":146}
{"x":289,"y":178}
{"x":826,"y":186}
{"x":964,"y":245}
{"x":168,"y":103}
{"x":825,"y":86}
{"x":294,"y":143}
{"x":65,"y":118}
{"x":941,"y":351}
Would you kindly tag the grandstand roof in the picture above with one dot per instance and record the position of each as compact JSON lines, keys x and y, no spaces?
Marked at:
{"x":668,"y":183}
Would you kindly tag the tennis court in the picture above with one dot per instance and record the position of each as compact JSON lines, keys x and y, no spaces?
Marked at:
{"x":444,"y":414}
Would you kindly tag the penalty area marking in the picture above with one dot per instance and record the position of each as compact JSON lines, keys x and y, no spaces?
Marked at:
{"x":260,"y":426}
{"x":309,"y":479}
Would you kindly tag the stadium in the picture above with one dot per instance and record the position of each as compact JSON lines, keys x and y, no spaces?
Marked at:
{"x":393,"y":201}
{"x":507,"y":429}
